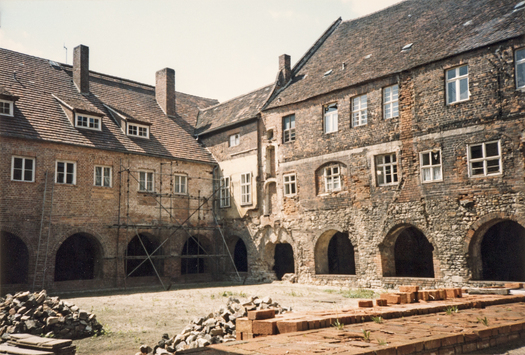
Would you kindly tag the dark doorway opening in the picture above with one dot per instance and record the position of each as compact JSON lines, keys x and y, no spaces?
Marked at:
{"x":240,"y":256}
{"x":77,"y":258}
{"x":413,"y":254}
{"x":503,"y":252}
{"x":284,"y":261}
{"x":14,"y":262}
{"x":341,"y":258}
{"x":138,"y":255}
{"x":194,"y":264}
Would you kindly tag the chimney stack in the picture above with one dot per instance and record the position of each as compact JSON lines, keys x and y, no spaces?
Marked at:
{"x":285,"y":68}
{"x":81,"y":68}
{"x":165,"y":90}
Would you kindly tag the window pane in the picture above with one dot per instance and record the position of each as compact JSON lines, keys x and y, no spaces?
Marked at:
{"x":520,"y":55}
{"x":451,"y":93}
{"x":493,"y":166}
{"x":435,"y":158}
{"x":380,"y":177}
{"x":69,"y":178}
{"x":463,"y":70}
{"x":426,"y":174}
{"x":17,"y":174}
{"x":463,"y":89}
{"x":437,"y":173}
{"x":491,"y":149}
{"x":395,"y":90}
{"x":18,"y":163}
{"x":451,"y":74}
{"x":476,"y":152}
{"x":395,"y":110}
{"x":70,"y":168}
{"x":28,"y":175}
{"x":477,"y":168}
{"x":60,"y":167}
{"x":520,"y":72}
{"x":426,"y":159}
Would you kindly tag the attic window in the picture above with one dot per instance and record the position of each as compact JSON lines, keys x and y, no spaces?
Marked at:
{"x":6,"y":108}
{"x":519,"y":6}
{"x":328,"y":73}
{"x":407,"y":47}
{"x":138,"y":130}
{"x":89,"y":122}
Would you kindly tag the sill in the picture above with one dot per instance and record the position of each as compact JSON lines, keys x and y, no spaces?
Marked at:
{"x":133,"y":136}
{"x":179,"y":194}
{"x":247,"y":204}
{"x":102,"y":187}
{"x":146,"y":192}
{"x":22,"y":180}
{"x":390,"y":118}
{"x":64,"y":184}
{"x":431,"y":181}
{"x":290,"y":196}
{"x":6,"y":115}
{"x":331,"y":132}
{"x":224,"y":206}
{"x":91,"y":129}
{"x":457,"y":102}
{"x":387,"y":185}
{"x":361,"y":125}
{"x":288,"y":142}
{"x":485,"y":176}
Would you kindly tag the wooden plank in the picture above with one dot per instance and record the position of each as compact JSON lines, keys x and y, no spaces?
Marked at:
{"x":13,"y":350}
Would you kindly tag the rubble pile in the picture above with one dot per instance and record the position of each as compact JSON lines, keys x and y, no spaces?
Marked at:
{"x":39,"y":314}
{"x":217,"y":327}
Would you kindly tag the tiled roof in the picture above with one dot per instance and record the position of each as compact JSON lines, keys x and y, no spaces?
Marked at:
{"x":371,"y":46}
{"x":233,"y":111}
{"x":44,"y":87}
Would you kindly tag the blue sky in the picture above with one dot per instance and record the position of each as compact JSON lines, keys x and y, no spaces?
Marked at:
{"x":219,"y":48}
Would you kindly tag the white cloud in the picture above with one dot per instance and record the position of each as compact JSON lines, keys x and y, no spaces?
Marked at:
{"x":362,"y":8}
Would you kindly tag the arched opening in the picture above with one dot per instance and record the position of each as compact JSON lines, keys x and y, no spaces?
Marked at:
{"x":503,"y":252}
{"x":240,"y":256}
{"x":193,"y":256}
{"x":334,"y":254}
{"x":413,"y":254}
{"x":283,"y":260}
{"x":78,"y":258}
{"x":136,"y":253}
{"x":14,"y":259}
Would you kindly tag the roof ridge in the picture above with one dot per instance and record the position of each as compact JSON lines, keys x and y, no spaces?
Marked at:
{"x":235,"y":98}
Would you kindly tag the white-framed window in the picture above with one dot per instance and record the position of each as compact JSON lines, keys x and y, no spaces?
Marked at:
{"x":66,"y":172}
{"x":235,"y":139}
{"x":457,"y":84}
{"x":390,"y":102}
{"x":102,"y":176}
{"x":386,"y":169}
{"x":23,"y":169}
{"x":89,"y":122}
{"x":520,"y":68}
{"x":181,"y":184}
{"x":330,"y":118}
{"x":359,"y":111}
{"x":332,"y":178}
{"x":6,"y":108}
{"x":289,"y":128}
{"x":431,"y":166}
{"x":290,"y":184}
{"x":246,"y":188}
{"x":138,"y":130}
{"x":146,"y":181}
{"x":224,"y":192}
{"x":484,"y":159}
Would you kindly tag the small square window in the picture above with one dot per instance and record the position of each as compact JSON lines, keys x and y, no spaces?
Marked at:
{"x":6,"y":108}
{"x":484,"y":159}
{"x":330,"y":118}
{"x":103,"y":176}
{"x":457,"y":84}
{"x":290,"y":185}
{"x":146,"y":182}
{"x":235,"y":140}
{"x":23,"y":169}
{"x":520,"y":68}
{"x":138,"y":130}
{"x":359,"y":111}
{"x":390,"y":102}
{"x":289,"y":128}
{"x":332,"y":178}
{"x":181,"y":184}
{"x":66,"y":172}
{"x":89,"y":122}
{"x":431,"y":166}
{"x":386,"y":169}
{"x":246,"y":189}
{"x":224,"y":192}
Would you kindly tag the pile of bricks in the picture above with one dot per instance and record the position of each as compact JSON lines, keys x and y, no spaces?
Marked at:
{"x":412,"y":294}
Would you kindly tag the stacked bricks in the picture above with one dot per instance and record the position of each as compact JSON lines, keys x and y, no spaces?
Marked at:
{"x":412,"y":294}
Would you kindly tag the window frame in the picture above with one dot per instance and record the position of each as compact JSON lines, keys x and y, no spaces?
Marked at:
{"x":64,"y":182}
{"x":360,"y":112}
{"x":180,"y":184}
{"x":457,"y":86}
{"x":394,"y":171}
{"x":332,"y":178}
{"x":246,"y":189}
{"x":333,"y":116}
{"x":431,"y":166}
{"x":236,"y":140}
{"x":147,"y":180}
{"x":290,"y":185}
{"x":11,"y":108}
{"x":289,"y":133}
{"x":484,"y":159}
{"x":225,"y":192}
{"x":391,"y":102}
{"x":137,"y":133}
{"x":519,"y":63}
{"x":89,"y":119}
{"x":23,"y":169}
{"x":103,"y":176}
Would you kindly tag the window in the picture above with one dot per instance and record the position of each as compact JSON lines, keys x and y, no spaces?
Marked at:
{"x":246,"y":188}
{"x":6,"y":108}
{"x":289,"y":129}
{"x":390,"y":102}
{"x":235,"y":139}
{"x":431,"y":166}
{"x":386,"y":169}
{"x":23,"y":169}
{"x":103,"y":176}
{"x":330,"y":118}
{"x":87,"y":122}
{"x":332,"y":178}
{"x":484,"y":159}
{"x":457,"y":84}
{"x":224,"y":192}
{"x":146,"y":181}
{"x":520,"y":68}
{"x":359,"y":116}
{"x":138,"y":130}
{"x":290,"y":187}
{"x":66,"y":172}
{"x":181,"y":184}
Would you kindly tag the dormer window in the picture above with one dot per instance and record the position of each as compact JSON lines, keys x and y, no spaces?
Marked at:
{"x":138,"y":130}
{"x":6,"y":108}
{"x":89,"y":122}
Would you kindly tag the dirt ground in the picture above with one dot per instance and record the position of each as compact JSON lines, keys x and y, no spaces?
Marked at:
{"x":140,"y":317}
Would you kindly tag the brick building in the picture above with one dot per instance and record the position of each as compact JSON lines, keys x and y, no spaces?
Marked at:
{"x":392,"y":152}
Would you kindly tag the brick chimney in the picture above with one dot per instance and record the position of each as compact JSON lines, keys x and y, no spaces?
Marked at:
{"x":81,"y":68}
{"x":285,"y":68}
{"x":165,"y":90}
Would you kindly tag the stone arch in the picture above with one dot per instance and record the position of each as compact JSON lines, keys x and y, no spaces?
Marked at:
{"x":334,"y":253}
{"x":407,"y":252}
{"x":239,"y":253}
{"x":193,"y":255}
{"x":279,"y":259}
{"x":14,"y":259}
{"x":79,"y":257}
{"x":137,"y":262}
{"x":320,"y":179}
{"x":496,"y":248}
